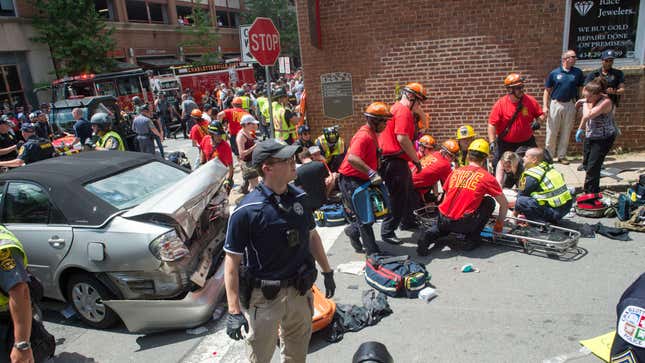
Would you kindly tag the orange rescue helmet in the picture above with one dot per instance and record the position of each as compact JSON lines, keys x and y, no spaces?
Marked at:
{"x":513,"y":80}
{"x":378,"y":110}
{"x":417,"y":90}
{"x":427,"y":141}
{"x":196,"y":113}
{"x":451,"y":146}
{"x":237,"y":101}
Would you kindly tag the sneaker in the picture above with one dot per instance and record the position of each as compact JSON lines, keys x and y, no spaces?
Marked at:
{"x":354,"y":240}
{"x":564,"y":161}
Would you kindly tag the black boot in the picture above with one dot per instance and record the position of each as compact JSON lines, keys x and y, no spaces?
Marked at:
{"x":354,"y":238}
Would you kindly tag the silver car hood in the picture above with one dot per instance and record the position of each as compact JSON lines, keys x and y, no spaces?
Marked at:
{"x":185,"y":200}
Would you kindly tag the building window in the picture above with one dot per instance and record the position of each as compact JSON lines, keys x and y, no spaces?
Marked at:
{"x":104,"y":8}
{"x":228,"y":19}
{"x":146,"y":12}
{"x":11,"y":91}
{"x":233,"y":4}
{"x":7,"y":8}
{"x":185,"y":15}
{"x":593,"y":26}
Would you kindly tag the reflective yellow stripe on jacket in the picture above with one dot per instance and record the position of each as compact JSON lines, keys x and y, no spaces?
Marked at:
{"x":8,"y":241}
{"x":553,"y":190}
{"x":113,"y":134}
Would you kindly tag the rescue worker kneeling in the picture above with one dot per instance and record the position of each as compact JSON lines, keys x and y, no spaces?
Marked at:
{"x":543,"y":194}
{"x":436,"y":166}
{"x":467,"y":205}
{"x":359,"y":167}
{"x":332,"y":146}
{"x":270,"y":295}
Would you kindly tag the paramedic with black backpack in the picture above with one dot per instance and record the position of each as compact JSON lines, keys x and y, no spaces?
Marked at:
{"x":359,"y":167}
{"x":513,"y":119}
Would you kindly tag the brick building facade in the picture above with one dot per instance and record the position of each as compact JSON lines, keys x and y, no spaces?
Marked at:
{"x":461,"y":50}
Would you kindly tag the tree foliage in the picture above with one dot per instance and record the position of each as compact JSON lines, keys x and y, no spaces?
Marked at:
{"x":77,"y":36}
{"x":202,"y":34}
{"x":283,"y":14}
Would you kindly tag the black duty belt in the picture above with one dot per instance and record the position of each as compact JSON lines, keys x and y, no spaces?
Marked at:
{"x":393,"y":156}
{"x":257,"y":283}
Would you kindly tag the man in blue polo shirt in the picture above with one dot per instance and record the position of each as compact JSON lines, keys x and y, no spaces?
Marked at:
{"x":560,"y":94}
{"x":629,"y":342}
{"x":273,"y":229}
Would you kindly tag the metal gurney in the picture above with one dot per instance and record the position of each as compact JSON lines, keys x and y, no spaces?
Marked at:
{"x":529,"y":236}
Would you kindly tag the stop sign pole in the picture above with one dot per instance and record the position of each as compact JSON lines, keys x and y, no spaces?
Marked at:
{"x":264,"y":45}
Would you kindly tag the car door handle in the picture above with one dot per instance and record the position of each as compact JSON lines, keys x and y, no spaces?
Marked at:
{"x":56,"y":242}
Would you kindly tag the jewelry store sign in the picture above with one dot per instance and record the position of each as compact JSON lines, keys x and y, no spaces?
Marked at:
{"x":603,"y":24}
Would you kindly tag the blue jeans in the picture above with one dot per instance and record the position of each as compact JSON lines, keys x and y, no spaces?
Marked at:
{"x":541,"y":213}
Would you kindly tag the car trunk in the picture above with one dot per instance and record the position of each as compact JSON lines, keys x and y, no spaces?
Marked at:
{"x":198,"y":210}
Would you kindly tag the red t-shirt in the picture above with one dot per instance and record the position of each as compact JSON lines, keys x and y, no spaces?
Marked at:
{"x":222,"y":151}
{"x":435,"y":168}
{"x":198,"y":131}
{"x":233,"y":116}
{"x":504,"y":109}
{"x":363,"y":145}
{"x":402,"y":123}
{"x":465,"y":189}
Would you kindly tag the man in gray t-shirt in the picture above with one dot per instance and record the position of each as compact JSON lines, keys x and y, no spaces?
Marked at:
{"x":187,"y":106}
{"x":144,"y":128}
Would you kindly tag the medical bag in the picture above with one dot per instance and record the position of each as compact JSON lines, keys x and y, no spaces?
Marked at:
{"x":330,"y":215}
{"x":396,"y":275}
{"x":591,"y":205}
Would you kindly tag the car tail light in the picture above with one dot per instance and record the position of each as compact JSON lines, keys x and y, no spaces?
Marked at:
{"x":168,"y":247}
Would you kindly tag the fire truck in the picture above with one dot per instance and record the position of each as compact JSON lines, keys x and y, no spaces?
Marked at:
{"x":123,"y":85}
{"x":202,"y":78}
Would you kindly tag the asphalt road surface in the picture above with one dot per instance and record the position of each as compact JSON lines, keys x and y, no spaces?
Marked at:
{"x":518,"y":308}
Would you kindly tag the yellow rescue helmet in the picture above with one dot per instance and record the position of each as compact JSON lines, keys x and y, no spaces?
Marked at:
{"x":465,"y":131}
{"x":480,"y":145}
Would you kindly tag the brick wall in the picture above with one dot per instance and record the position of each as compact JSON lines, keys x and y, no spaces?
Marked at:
{"x":460,"y":50}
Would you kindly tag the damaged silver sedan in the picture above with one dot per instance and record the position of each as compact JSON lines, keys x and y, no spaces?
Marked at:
{"x":122,"y":235}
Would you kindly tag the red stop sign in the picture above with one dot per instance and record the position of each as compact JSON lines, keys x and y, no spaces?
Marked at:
{"x":264,"y":41}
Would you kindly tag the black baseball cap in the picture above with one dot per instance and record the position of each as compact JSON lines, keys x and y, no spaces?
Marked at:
{"x":273,"y":148}
{"x":608,"y":54}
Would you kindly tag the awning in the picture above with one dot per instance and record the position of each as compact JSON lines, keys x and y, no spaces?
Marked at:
{"x":123,"y":66}
{"x":163,"y":62}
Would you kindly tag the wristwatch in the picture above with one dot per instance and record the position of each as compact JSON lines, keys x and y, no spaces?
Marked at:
{"x":22,"y":345}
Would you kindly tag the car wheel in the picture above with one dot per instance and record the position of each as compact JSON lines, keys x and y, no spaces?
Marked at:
{"x":86,"y":294}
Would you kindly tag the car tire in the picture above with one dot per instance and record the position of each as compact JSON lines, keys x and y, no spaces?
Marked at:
{"x":86,"y":294}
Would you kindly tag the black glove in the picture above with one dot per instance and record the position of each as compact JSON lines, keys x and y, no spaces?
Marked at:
{"x":19,"y":144}
{"x":234,"y":324}
{"x":330,"y":285}
{"x":418,"y":166}
{"x":535,"y":125}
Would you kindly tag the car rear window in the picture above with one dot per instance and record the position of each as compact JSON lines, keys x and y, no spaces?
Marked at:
{"x":131,"y":187}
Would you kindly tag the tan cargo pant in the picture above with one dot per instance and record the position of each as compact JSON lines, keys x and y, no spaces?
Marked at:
{"x":289,"y":316}
{"x":558,"y":127}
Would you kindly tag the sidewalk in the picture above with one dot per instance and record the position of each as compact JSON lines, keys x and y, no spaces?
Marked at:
{"x":634,"y":161}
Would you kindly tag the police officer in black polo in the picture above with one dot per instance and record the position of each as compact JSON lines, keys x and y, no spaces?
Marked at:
{"x":34,"y":149}
{"x":8,"y":140}
{"x":629,"y":342}
{"x":274,"y":233}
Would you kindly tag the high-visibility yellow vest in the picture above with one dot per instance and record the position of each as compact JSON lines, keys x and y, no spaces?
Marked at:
{"x":246,"y":103}
{"x":107,"y":135}
{"x":327,"y":151}
{"x":553,"y":190}
{"x":283,"y":128}
{"x":263,"y":106}
{"x":7,"y":242}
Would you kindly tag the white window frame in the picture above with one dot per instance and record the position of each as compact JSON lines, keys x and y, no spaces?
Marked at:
{"x":639,"y":46}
